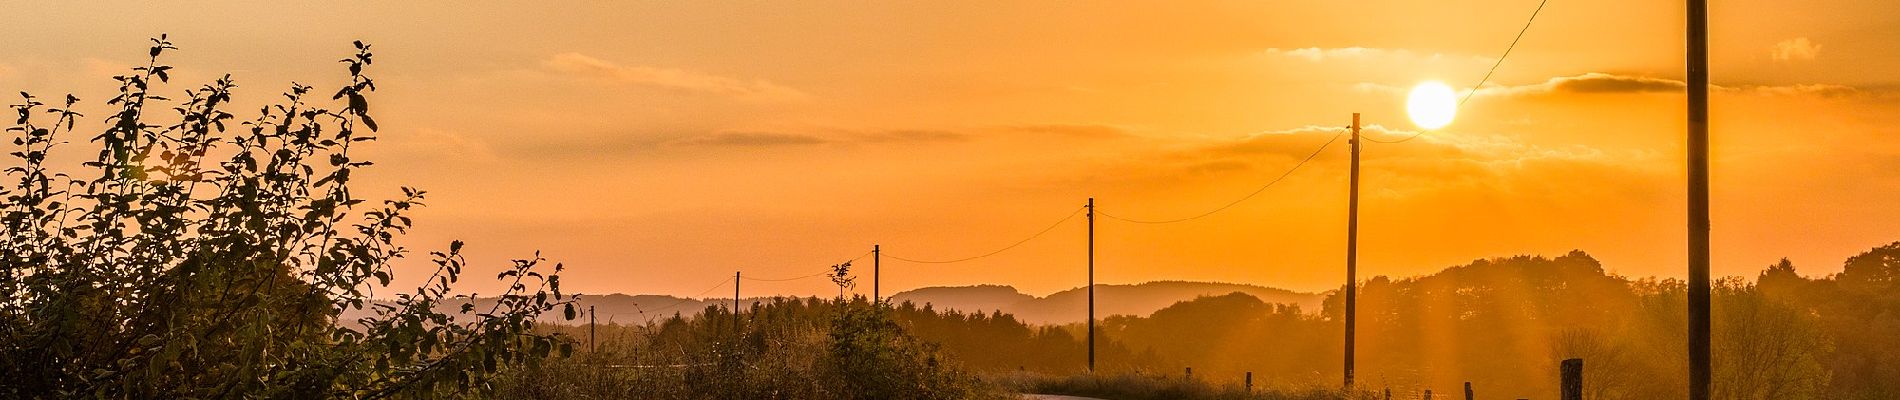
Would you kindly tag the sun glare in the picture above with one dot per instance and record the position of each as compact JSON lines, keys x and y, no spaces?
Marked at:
{"x":1432,"y":105}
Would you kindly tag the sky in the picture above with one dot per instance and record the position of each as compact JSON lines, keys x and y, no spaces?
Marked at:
{"x":657,"y":147}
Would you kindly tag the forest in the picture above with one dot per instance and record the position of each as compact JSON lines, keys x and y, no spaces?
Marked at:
{"x":1502,"y":324}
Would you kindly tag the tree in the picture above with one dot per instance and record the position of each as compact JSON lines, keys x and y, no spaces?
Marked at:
{"x":201,"y":261}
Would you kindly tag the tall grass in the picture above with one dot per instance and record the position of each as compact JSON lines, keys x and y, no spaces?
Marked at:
{"x":1147,"y":386}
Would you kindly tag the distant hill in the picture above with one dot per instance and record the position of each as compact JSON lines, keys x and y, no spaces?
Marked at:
{"x":1063,"y":307}
{"x":1072,"y":305}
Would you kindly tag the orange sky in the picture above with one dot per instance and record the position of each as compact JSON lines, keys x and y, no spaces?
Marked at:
{"x":656,"y":147}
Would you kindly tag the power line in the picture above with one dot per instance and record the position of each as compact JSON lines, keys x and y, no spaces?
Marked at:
{"x":690,"y":298}
{"x":788,"y":279}
{"x":826,"y":272}
{"x":1051,"y":227}
{"x":1487,"y":74}
{"x":1256,"y":192}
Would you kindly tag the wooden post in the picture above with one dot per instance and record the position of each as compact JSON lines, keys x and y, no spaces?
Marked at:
{"x":1249,"y":381}
{"x":1428,"y":394}
{"x":590,"y":330}
{"x":735,"y":301}
{"x":1352,"y":251}
{"x":874,"y":275}
{"x":1573,"y":379}
{"x":1468,"y":391}
{"x":1091,"y":333}
{"x":1388,"y":393}
{"x":1190,"y":373}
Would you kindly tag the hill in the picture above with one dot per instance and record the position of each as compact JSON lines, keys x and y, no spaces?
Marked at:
{"x":1068,"y":306}
{"x":1071,"y":305}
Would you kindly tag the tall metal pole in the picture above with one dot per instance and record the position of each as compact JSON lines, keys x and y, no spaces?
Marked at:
{"x":1091,"y":215}
{"x":874,"y":276}
{"x":1698,"y":146}
{"x":1352,"y":252}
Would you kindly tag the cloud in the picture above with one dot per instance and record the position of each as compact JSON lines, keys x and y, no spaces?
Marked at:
{"x":1088,"y":131}
{"x":581,"y":65}
{"x":1316,"y":54}
{"x":1602,"y":83}
{"x":911,"y":136}
{"x":753,"y":139}
{"x":1595,"y":82}
{"x":1319,"y":54}
{"x":1797,"y":49}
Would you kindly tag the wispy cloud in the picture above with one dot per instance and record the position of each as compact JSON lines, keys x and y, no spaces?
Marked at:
{"x":1602,"y":83}
{"x":1320,"y":54}
{"x":1089,"y":131}
{"x":1796,"y":49}
{"x":753,"y":139}
{"x":581,"y":65}
{"x":911,"y":136}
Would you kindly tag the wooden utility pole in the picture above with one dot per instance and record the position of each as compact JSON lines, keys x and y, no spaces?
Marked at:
{"x":1698,"y":144}
{"x":590,"y":330}
{"x":735,"y":301}
{"x":874,"y":276}
{"x":1091,"y":216}
{"x":1571,"y":387}
{"x":1352,"y":252}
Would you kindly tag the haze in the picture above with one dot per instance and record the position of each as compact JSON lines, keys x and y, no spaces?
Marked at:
{"x":656,"y":147}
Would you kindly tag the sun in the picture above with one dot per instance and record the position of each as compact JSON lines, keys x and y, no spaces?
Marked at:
{"x":1432,"y":105}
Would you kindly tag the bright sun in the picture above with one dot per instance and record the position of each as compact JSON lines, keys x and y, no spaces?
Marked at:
{"x":1432,"y":105}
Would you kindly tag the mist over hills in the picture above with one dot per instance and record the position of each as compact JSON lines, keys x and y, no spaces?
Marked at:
{"x":1071,"y":305}
{"x":1068,"y":306}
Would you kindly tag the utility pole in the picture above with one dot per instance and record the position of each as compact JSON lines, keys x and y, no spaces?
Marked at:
{"x":1091,"y":215}
{"x":1352,"y":252}
{"x":590,"y":330}
{"x":735,"y":301}
{"x":1698,"y":144}
{"x":874,"y":275}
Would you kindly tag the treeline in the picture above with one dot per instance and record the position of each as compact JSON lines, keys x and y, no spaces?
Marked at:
{"x":1502,"y":324}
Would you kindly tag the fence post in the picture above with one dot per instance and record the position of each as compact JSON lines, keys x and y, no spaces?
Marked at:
{"x":1249,"y":381}
{"x":1468,"y":391}
{"x":1428,"y":394}
{"x":1190,"y":373}
{"x":1388,"y":393}
{"x":1573,"y":379}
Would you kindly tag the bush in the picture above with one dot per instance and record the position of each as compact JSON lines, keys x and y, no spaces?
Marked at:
{"x":204,"y":262}
{"x":779,"y":349}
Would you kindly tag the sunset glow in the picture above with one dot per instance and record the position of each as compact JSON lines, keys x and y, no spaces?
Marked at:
{"x":687,"y":140}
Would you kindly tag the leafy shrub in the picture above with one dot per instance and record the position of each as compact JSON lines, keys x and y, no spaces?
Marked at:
{"x":201,"y":261}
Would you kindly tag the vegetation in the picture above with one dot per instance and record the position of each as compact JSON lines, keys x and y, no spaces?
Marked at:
{"x":780,"y":349}
{"x":188,"y":260}
{"x":1140,"y":386}
{"x":1502,"y":324}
